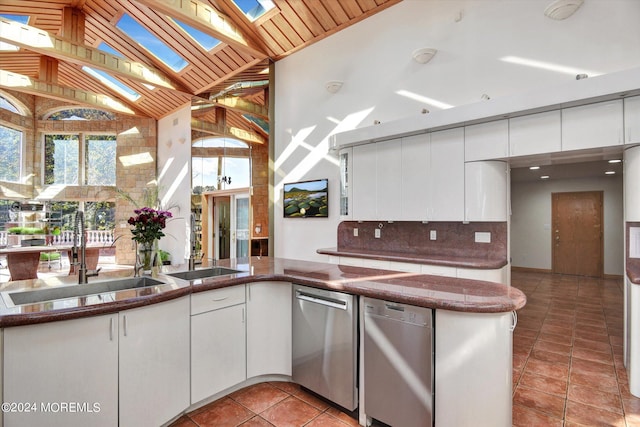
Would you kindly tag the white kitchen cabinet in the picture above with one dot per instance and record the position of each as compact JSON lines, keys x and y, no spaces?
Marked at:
{"x":535,"y":134}
{"x":268,"y":328}
{"x":346,"y":194}
{"x":473,"y":350}
{"x":631,"y":177}
{"x":364,"y":181}
{"x":218,"y":341}
{"x":486,"y":141}
{"x":486,"y":191}
{"x":414,"y":187}
{"x":67,"y":361}
{"x":632,"y":120}
{"x":446,"y":179}
{"x":154,"y":363}
{"x":388,"y":179}
{"x":592,"y":126}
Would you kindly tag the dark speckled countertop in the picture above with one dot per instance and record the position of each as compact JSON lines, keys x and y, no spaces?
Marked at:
{"x":437,"y":292}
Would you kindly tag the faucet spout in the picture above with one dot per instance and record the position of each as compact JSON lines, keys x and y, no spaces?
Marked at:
{"x":80,"y":259}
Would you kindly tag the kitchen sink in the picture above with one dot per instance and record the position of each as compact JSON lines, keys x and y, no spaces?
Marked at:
{"x":203,"y":273}
{"x":12,"y":299}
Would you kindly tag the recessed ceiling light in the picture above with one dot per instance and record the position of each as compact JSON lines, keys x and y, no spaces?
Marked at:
{"x":610,"y":173}
{"x":615,"y":161}
{"x":544,"y":177}
{"x":533,"y":168}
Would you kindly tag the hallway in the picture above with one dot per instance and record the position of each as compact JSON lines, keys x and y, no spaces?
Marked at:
{"x":568,"y":353}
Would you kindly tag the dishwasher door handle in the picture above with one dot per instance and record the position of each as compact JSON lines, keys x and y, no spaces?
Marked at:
{"x":318,"y":299}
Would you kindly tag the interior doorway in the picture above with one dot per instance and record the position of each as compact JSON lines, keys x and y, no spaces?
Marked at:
{"x":577,"y":233}
{"x":231,"y":220}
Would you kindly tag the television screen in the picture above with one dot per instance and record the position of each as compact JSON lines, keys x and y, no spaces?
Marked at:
{"x":306,"y":199}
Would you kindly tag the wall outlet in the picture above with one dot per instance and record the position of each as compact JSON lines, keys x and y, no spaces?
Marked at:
{"x":483,"y":237}
{"x":376,"y":233}
{"x":433,"y":234}
{"x":355,"y":232}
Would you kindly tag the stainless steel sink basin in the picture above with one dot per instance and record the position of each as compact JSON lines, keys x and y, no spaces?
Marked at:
{"x":203,"y":273}
{"x":12,"y":299}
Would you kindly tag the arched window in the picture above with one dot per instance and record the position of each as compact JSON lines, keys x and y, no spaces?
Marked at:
{"x":79,"y":113}
{"x":12,"y":104}
{"x":220,"y":164}
{"x":7,"y":105}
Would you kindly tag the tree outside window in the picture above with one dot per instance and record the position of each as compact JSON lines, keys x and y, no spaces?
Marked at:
{"x":10,"y":154}
{"x":62,"y":159}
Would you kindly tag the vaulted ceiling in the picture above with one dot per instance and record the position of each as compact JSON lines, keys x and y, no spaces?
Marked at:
{"x":49,"y":54}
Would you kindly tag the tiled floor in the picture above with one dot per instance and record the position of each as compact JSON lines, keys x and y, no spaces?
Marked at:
{"x":277,"y":404}
{"x":568,"y":358}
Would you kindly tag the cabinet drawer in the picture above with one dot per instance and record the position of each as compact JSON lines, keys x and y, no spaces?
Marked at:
{"x":219,"y":298}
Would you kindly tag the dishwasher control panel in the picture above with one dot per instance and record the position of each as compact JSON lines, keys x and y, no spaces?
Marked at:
{"x":404,"y":313}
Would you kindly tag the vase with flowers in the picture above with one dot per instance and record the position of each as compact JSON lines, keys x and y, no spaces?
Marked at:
{"x":148,"y":224}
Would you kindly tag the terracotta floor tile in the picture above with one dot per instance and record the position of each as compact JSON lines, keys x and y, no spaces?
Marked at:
{"x":287,"y":387}
{"x":256,"y":421}
{"x":593,"y":397}
{"x":592,"y":336}
{"x":558,"y":330}
{"x":589,"y":367}
{"x":589,"y":416}
{"x":540,"y":401}
{"x":526,"y":417}
{"x":325,"y":420}
{"x":345,"y":418}
{"x":559,"y":339}
{"x":549,"y":356}
{"x":291,"y":412}
{"x":259,"y":397}
{"x":312,"y":400}
{"x":222,"y":413}
{"x":552,"y":347}
{"x":594,"y":356}
{"x":544,"y":384}
{"x":597,"y":381}
{"x":547,"y":369}
{"x":592,"y":345}
{"x":184,"y":421}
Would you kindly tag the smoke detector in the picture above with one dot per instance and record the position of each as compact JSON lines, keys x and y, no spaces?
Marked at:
{"x":562,"y":9}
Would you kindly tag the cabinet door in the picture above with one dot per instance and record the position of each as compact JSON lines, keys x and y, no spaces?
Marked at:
{"x":415,"y":177}
{"x":447,"y":175}
{"x":535,"y":134}
{"x":154,"y":363}
{"x":592,"y":125}
{"x":218,"y":351}
{"x":388,"y":179}
{"x":632,"y":120}
{"x":486,"y":141}
{"x":68,"y":361}
{"x":268,"y":328}
{"x":346,"y":197}
{"x":486,"y":191}
{"x":364,"y":182}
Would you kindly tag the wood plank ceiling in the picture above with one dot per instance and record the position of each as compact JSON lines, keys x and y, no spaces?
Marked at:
{"x":239,"y":61}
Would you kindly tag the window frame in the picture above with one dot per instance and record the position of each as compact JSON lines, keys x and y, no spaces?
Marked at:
{"x":82,"y":159}
{"x":21,"y":160}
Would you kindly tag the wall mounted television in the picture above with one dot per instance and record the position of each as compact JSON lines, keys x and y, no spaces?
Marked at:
{"x":306,"y":199}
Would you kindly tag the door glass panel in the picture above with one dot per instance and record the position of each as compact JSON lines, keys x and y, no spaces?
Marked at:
{"x":242,"y":227}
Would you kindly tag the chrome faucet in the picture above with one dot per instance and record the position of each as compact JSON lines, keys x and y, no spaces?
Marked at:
{"x":192,"y":236}
{"x":83,"y":273}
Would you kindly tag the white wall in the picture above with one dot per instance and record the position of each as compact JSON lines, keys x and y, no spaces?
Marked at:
{"x":381,"y":82}
{"x":174,"y":180}
{"x":531,"y":234}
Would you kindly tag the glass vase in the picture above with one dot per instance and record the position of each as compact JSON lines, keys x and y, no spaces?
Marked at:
{"x":147,"y":252}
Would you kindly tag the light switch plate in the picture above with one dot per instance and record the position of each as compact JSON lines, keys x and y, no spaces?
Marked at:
{"x":355,"y":232}
{"x":483,"y":237}
{"x":376,"y":233}
{"x":433,"y":234}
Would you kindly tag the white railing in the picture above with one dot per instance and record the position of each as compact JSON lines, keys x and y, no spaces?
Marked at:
{"x":94,"y":237}
{"x":3,"y":238}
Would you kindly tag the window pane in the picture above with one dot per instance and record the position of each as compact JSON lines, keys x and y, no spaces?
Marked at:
{"x":204,"y":174}
{"x":236,"y":169}
{"x":61,"y":159}
{"x":100,"y":163}
{"x":10,"y":154}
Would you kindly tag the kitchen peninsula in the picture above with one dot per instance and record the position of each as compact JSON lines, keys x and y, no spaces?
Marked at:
{"x":465,"y":310}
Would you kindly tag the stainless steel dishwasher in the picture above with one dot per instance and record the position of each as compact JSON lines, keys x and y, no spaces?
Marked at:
{"x":325,"y":344}
{"x":398,"y":363}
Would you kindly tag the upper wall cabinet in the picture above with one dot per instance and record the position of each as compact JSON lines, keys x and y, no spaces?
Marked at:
{"x":486,"y":141}
{"x":415,"y":189}
{"x":632,"y":120}
{"x":592,"y":126}
{"x":447,"y":175}
{"x":363,"y":181}
{"x":535,"y":134}
{"x":486,"y":191}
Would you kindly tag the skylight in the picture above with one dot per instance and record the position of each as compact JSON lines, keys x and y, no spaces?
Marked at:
{"x":23,"y":19}
{"x":114,"y":84}
{"x":254,"y":8}
{"x":151,"y":43}
{"x":203,"y":39}
{"x":106,"y":48}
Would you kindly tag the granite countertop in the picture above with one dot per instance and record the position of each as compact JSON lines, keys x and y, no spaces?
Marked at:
{"x":633,"y":270}
{"x":437,"y":292}
{"x":449,"y":261}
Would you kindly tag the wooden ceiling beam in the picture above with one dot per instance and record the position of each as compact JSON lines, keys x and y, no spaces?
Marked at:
{"x":44,"y":43}
{"x":206,"y":18}
{"x":241,"y":105}
{"x":230,"y":132}
{"x":31,"y":86}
